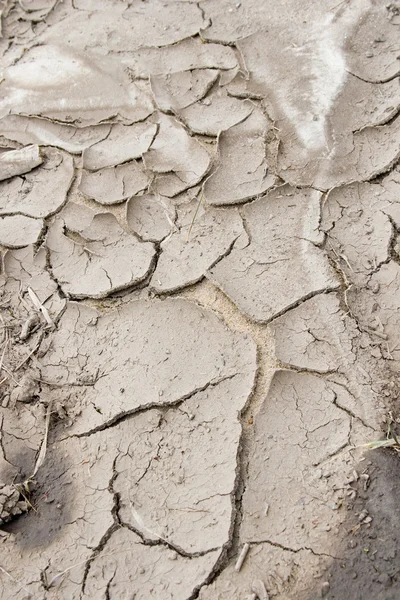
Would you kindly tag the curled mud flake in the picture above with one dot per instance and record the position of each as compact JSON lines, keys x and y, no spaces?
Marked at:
{"x":275,"y":269}
{"x":126,"y":566}
{"x":202,"y":236}
{"x":218,"y":112}
{"x":145,"y":360}
{"x":149,"y":217}
{"x":297,"y":428}
{"x":40,"y":85}
{"x":101,"y":260}
{"x":241,"y":171}
{"x":31,"y":130}
{"x":124,"y":143}
{"x":176,"y":91}
{"x":186,"y":55}
{"x":115,"y":184}
{"x":129,"y":28}
{"x":17,"y":162}
{"x":24,"y":269}
{"x":76,"y":216}
{"x":178,"y":160}
{"x":41,"y":192}
{"x":17,"y":231}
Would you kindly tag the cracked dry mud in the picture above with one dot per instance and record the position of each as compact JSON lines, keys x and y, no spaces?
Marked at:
{"x":199,"y":299}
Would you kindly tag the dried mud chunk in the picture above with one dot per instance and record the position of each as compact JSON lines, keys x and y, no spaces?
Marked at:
{"x":186,"y":55}
{"x":175,"y":91}
{"x":103,"y":259}
{"x":315,"y":335}
{"x":276,"y":268}
{"x":124,"y":143}
{"x":145,"y":570}
{"x":178,"y":160}
{"x":135,"y":356}
{"x":187,"y":464}
{"x":11,"y":503}
{"x":297,"y":428}
{"x":115,"y":184}
{"x":242,"y":170}
{"x":40,"y":85}
{"x":41,"y":192}
{"x":218,"y":112}
{"x":149,"y":218}
{"x":22,"y":269}
{"x":138,"y":25}
{"x":31,"y":130}
{"x":17,"y":162}
{"x":17,"y":231}
{"x":26,"y":391}
{"x":202,"y":237}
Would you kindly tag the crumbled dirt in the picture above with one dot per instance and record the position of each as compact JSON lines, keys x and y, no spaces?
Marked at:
{"x":199,"y":299}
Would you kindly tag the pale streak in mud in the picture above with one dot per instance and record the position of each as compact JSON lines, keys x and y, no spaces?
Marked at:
{"x":323,"y":64}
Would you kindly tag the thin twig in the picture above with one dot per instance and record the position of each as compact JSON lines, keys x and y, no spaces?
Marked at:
{"x":21,"y":364}
{"x":15,"y":581}
{"x":43,"y":447}
{"x":195,"y":215}
{"x":82,"y":562}
{"x":39,"y":306}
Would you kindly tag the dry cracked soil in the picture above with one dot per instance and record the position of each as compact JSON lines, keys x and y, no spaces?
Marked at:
{"x":199,"y":299}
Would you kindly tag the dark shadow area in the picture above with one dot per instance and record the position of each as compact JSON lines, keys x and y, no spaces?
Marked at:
{"x":369,"y":567}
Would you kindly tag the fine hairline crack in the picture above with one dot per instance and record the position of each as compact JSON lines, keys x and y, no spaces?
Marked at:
{"x":152,"y":405}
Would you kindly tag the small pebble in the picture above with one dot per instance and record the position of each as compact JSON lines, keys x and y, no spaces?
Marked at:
{"x":367,"y":520}
{"x":325,"y":588}
{"x":385,"y":579}
{"x":363,"y":514}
